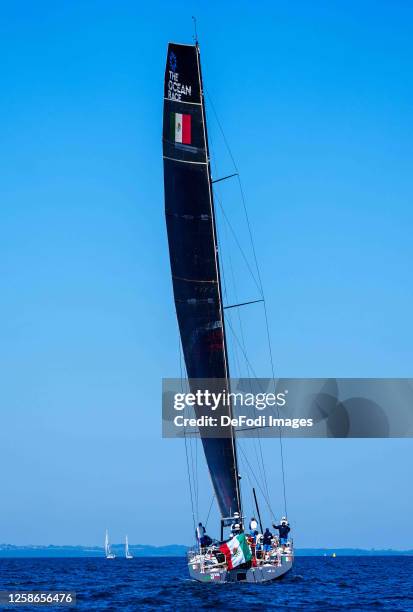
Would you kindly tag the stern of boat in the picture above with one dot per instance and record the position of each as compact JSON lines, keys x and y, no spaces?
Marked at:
{"x":203,"y":567}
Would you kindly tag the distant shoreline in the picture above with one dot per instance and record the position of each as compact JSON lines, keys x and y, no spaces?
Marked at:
{"x":10,"y":551}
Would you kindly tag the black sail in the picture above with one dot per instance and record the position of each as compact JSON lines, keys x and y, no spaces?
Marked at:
{"x":193,"y":252}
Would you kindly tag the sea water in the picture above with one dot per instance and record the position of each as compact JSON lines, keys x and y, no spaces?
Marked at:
{"x":162,"y":583}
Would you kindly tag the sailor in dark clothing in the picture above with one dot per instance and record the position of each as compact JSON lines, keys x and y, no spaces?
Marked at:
{"x":267,"y":536}
{"x":283,"y":530}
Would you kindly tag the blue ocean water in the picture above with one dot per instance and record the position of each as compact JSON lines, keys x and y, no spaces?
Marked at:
{"x":315,"y":584}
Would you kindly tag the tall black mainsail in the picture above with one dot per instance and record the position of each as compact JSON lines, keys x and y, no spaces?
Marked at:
{"x":193,"y":251}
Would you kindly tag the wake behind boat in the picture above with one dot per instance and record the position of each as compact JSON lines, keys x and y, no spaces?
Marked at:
{"x":193,"y":247}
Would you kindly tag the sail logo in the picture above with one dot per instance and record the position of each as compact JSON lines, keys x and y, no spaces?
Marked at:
{"x":180,"y":126}
{"x":176,"y":89}
{"x":172,"y":61}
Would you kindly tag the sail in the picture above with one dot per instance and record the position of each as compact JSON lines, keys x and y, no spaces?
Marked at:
{"x":193,"y":251}
{"x":127,"y":553}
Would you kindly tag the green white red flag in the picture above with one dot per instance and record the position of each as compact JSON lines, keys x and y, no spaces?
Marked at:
{"x":181,"y":128}
{"x":236,"y":551}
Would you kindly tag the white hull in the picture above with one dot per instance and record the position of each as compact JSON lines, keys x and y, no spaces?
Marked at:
{"x":266,"y":572}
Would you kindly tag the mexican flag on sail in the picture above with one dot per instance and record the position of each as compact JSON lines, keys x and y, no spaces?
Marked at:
{"x":181,"y":128}
{"x":236,"y":551}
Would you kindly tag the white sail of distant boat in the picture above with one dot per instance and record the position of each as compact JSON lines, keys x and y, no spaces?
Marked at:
{"x":128,"y":555}
{"x":109,"y":554}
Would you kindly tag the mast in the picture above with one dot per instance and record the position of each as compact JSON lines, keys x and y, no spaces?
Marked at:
{"x":193,"y":249}
{"x":258,"y":509}
{"x":201,"y":85}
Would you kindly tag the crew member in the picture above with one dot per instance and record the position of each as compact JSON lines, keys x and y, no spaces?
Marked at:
{"x":267,"y":537}
{"x":200,"y":534}
{"x":283,"y":530}
{"x":253,"y":526}
{"x":236,"y":525}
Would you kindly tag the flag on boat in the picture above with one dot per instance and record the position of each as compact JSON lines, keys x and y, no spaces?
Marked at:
{"x":181,"y":128}
{"x":236,"y":551}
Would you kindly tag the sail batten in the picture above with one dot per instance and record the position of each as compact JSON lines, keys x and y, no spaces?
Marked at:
{"x":190,"y":221}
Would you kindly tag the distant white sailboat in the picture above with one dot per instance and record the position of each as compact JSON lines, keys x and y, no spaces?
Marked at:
{"x":109,"y":554}
{"x":128,"y":555}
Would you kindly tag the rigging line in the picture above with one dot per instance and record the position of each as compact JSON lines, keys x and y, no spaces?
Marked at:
{"x":269,"y":350}
{"x":235,"y":351}
{"x":238,"y":315}
{"x":194,"y":474}
{"x":243,"y":346}
{"x":278,"y":409}
{"x":251,"y":484}
{"x":225,"y":287}
{"x":190,"y":481}
{"x":217,"y":268}
{"x":235,"y":348}
{"x":221,"y":130}
{"x":217,"y":198}
{"x":249,"y":363}
{"x":242,"y":304}
{"x":186,"y":448}
{"x":258,"y":484}
{"x":219,"y":236}
{"x":224,"y":178}
{"x":242,"y":350}
{"x":266,"y":499}
{"x":261,"y":465}
{"x":209,"y":511}
{"x":237,"y":242}
{"x":259,"y":278}
{"x":195,"y":36}
{"x":191,"y":443}
{"x":268,"y":336}
{"x":228,"y":255}
{"x":256,"y":442}
{"x":240,"y":186}
{"x":245,"y":468}
{"x":238,"y":312}
{"x":195,"y":442}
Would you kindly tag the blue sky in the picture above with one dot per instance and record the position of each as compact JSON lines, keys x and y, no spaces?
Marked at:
{"x":316,"y":103}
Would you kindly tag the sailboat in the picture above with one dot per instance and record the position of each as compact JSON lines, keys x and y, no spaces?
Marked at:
{"x":128,"y":555}
{"x":108,"y":553}
{"x":196,"y":279}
